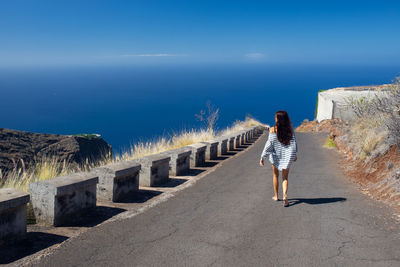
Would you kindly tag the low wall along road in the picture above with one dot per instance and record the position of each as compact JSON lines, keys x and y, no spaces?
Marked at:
{"x":62,"y":200}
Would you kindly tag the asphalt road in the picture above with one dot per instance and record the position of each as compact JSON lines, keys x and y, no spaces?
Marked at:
{"x":228,"y":219}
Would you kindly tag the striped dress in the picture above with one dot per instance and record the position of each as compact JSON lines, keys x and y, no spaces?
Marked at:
{"x":280,"y":155}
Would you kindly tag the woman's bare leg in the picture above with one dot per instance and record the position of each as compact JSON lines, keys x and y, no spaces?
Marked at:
{"x":285,"y":183}
{"x":275,"y":181}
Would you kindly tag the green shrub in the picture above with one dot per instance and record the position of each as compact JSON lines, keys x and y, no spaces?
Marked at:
{"x":329,"y":143}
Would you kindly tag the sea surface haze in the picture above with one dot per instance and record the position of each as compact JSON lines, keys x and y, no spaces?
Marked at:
{"x":131,"y":103}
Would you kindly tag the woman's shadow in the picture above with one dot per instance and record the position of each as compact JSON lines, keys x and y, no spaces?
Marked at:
{"x":315,"y":201}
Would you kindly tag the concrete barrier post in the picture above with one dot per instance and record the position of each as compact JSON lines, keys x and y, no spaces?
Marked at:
{"x":251,"y":133}
{"x":117,"y":181}
{"x":223,"y":146}
{"x":243,"y":138}
{"x":198,"y":156}
{"x":57,"y":200}
{"x":212,"y":149}
{"x":237,"y":141}
{"x":12,"y":214}
{"x":248,"y":139}
{"x":155,"y":170}
{"x":180,"y":161}
{"x":254,"y":132}
{"x":232,"y":143}
{"x":260,"y":130}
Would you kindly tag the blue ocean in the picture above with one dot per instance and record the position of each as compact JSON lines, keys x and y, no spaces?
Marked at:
{"x":127,"y":104}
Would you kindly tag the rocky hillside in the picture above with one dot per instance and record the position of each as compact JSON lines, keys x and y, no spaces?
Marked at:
{"x":20,"y":149}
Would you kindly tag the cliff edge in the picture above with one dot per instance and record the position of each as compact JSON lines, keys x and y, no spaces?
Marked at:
{"x":20,"y":149}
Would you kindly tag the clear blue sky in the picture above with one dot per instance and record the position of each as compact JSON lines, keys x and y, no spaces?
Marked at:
{"x":119,"y":32}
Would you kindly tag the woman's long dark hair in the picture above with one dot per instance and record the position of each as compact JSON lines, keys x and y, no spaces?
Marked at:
{"x":284,"y":129}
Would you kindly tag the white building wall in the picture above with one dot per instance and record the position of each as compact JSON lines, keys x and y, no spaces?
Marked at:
{"x":342,"y":111}
{"x":324,"y":109}
{"x":333,"y":103}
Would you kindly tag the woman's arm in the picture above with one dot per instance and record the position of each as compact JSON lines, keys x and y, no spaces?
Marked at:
{"x":295,"y":143}
{"x":268,"y":148}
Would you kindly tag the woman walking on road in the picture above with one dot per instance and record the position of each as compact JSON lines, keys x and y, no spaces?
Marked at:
{"x":281,"y":147}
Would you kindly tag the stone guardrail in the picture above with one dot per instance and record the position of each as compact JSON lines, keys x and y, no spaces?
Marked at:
{"x":198,"y":156}
{"x":237,"y":140}
{"x":231,"y":143}
{"x":212,"y":149}
{"x":251,"y":133}
{"x":260,"y":130}
{"x":248,"y":138}
{"x":155,"y":170}
{"x":117,"y":181}
{"x":57,"y":200}
{"x":12,"y":214}
{"x":243,"y":139}
{"x":180,"y":161}
{"x":223,"y":146}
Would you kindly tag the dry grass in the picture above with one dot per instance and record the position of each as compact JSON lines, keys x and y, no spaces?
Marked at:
{"x":369,"y":145}
{"x":367,"y":137}
{"x":44,"y":169}
{"x":184,"y":138}
{"x":179,"y":140}
{"x":378,"y":120}
{"x":241,"y":125}
{"x":48,"y":168}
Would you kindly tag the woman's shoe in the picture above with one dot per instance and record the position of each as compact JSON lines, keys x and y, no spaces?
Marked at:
{"x":285,"y":203}
{"x":275,"y":198}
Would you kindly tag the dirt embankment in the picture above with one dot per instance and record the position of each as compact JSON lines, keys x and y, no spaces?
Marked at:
{"x":378,"y":176}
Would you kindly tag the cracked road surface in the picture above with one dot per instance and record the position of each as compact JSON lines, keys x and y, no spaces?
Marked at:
{"x":228,"y":219}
